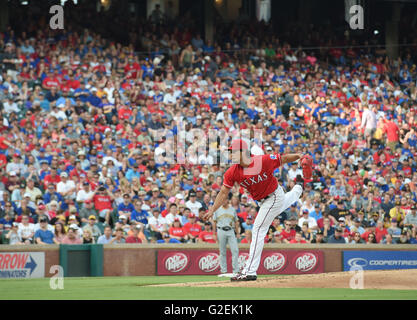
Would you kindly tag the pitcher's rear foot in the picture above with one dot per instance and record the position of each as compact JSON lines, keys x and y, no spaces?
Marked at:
{"x":243,"y":277}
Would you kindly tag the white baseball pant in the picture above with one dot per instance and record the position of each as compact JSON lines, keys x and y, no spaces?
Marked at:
{"x":269,"y":209}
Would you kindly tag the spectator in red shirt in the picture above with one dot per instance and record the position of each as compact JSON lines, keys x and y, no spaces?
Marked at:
{"x":247,"y":237}
{"x":380,"y":231}
{"x":392,"y":131}
{"x":192,"y":228}
{"x":103,"y":200}
{"x":287,"y":234}
{"x":298,"y":238}
{"x":207,"y":235}
{"x":134,"y":238}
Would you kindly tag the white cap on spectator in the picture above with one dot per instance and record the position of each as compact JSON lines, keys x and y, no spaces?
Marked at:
{"x":26,"y":195}
{"x":179,"y":196}
{"x":73,"y":226}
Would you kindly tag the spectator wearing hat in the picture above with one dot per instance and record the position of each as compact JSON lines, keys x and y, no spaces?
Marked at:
{"x":292,"y":211}
{"x":134,"y":237}
{"x":103,"y":203}
{"x":50,"y":194}
{"x":84,"y":193}
{"x":357,"y":226}
{"x":18,"y":193}
{"x":72,"y":236}
{"x":337,"y":237}
{"x":43,"y":235}
{"x":404,"y":237}
{"x":14,"y":235}
{"x":311,"y":222}
{"x":207,"y":235}
{"x":157,"y":224}
{"x":394,"y":231}
{"x":248,"y":224}
{"x":192,"y":228}
{"x":410,"y":220}
{"x":397,"y":212}
{"x":66,"y":187}
{"x":339,"y":211}
{"x":92,"y":227}
{"x":193,"y":204}
{"x":319,"y":237}
{"x":356,"y":238}
{"x":16,"y":165}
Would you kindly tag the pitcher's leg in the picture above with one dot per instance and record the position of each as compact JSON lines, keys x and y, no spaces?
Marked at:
{"x":263,"y":220}
{"x":290,"y":197}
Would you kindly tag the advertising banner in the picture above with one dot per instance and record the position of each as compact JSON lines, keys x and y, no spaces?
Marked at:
{"x":200,"y":262}
{"x":379,"y":260}
{"x":22,"y":264}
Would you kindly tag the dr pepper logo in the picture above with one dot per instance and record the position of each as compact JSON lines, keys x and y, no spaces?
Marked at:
{"x":306,"y":261}
{"x":209,"y":262}
{"x":243,"y":257}
{"x":176,"y":262}
{"x":274,"y":262}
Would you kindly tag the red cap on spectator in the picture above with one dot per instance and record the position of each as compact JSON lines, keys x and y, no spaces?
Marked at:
{"x":191,"y":215}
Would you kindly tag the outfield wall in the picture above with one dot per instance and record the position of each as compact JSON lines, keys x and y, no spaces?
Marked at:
{"x":141,"y":259}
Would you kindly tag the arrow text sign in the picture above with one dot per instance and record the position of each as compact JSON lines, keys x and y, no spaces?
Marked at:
{"x":22,"y":264}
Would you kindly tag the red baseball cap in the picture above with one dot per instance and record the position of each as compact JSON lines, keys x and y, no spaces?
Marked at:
{"x":238,"y":145}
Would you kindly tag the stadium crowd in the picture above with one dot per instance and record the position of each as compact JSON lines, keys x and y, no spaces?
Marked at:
{"x":80,"y":158}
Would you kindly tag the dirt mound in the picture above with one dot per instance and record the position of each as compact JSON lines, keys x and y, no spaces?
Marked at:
{"x":387,"y":279}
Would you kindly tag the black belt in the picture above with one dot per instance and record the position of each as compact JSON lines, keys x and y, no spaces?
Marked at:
{"x":225,"y":228}
{"x":267,"y":197}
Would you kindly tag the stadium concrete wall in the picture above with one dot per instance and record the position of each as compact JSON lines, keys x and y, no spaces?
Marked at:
{"x":141,"y":259}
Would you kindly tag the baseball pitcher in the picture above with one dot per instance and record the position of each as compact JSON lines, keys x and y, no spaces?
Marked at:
{"x":255,"y":174}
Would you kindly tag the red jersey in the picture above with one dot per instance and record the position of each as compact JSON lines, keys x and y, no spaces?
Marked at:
{"x":193,"y":229}
{"x":258,"y":178}
{"x":288,"y":235}
{"x":102,"y":202}
{"x":133,"y":239}
{"x":177,"y":232}
{"x":207,"y":236}
{"x":295,"y":241}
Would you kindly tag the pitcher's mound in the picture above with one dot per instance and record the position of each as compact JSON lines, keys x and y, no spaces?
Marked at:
{"x":387,"y":279}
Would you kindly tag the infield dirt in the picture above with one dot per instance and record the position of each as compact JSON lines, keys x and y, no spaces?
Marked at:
{"x":387,"y":279}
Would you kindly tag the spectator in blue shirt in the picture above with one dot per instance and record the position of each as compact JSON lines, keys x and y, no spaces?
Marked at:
{"x":106,"y":237}
{"x":166,"y":238}
{"x":138,"y":214}
{"x":126,"y":207}
{"x":43,"y":235}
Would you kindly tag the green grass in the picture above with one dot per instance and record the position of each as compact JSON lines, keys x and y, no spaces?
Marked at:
{"x":122,"y":288}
